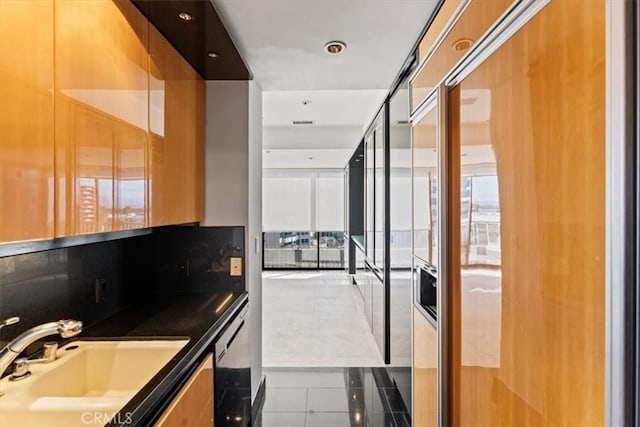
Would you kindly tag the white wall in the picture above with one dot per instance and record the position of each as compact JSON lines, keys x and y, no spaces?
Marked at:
{"x":227,"y":151}
{"x":233,"y":186}
{"x":254,"y":234}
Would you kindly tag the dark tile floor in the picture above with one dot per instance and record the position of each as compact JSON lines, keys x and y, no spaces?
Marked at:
{"x":332,"y":397}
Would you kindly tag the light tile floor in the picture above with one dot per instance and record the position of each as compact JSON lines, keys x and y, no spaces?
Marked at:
{"x":314,"y":319}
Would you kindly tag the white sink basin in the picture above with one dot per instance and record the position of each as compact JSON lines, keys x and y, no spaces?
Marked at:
{"x":88,"y":384}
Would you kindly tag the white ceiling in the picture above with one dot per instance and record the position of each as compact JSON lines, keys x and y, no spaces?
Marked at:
{"x":327,"y":107}
{"x":311,"y":137}
{"x":306,"y":159}
{"x":339,"y":118}
{"x":282,"y":42}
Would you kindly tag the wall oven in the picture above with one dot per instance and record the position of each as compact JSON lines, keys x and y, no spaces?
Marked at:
{"x":426,"y":288}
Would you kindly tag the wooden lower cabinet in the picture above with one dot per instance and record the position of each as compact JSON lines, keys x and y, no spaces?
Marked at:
{"x":425,"y":371}
{"x":193,"y":406}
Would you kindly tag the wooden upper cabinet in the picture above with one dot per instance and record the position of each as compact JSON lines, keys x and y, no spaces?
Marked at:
{"x":425,"y":371}
{"x":177,"y":136}
{"x":445,"y":14}
{"x":102,"y":110}
{"x":193,"y":406}
{"x":475,"y":20}
{"x":528,"y":143}
{"x":26,"y":121}
{"x":105,"y":135}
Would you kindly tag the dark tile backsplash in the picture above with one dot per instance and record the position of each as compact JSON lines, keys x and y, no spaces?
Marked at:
{"x":61,"y":283}
{"x":187,"y":259}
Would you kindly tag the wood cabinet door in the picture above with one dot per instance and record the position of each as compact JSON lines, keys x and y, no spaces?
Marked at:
{"x":177,"y":136}
{"x":101,"y":126}
{"x":475,"y":20}
{"x":425,"y":371}
{"x":193,"y":406}
{"x":26,"y":121}
{"x":130,"y":171}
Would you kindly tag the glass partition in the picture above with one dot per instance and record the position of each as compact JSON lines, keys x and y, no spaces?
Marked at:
{"x":380,"y":196}
{"x":369,"y":196}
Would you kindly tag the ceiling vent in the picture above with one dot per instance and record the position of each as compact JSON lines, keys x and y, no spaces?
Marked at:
{"x":302,"y":122}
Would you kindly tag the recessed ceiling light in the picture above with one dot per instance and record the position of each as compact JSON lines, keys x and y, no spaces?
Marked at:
{"x":212,"y":55}
{"x":335,"y":47}
{"x":185,"y":16}
{"x":462,"y":44}
{"x":310,"y":158}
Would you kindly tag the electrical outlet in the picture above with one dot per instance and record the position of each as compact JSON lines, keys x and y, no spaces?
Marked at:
{"x":183,"y":267}
{"x":235,"y":266}
{"x":100,"y":288}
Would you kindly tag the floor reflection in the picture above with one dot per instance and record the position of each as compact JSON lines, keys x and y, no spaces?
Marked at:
{"x":350,"y":397}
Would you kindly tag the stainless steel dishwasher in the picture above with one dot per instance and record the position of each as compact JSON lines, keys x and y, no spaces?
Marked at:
{"x":232,"y":374}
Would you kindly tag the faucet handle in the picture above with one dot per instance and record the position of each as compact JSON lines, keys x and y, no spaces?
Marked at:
{"x":21,"y":364}
{"x":9,"y":321}
{"x":49,"y":351}
{"x":20,"y":369}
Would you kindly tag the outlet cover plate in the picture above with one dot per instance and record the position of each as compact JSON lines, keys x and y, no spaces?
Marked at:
{"x":235,"y":266}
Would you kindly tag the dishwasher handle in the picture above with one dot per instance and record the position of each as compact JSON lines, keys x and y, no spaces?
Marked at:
{"x":235,"y":334}
{"x":226,"y":339}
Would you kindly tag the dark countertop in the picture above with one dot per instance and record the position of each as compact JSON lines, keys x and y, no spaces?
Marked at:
{"x":198,"y":316}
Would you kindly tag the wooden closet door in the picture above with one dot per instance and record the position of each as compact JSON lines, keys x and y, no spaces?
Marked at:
{"x":528,"y":137}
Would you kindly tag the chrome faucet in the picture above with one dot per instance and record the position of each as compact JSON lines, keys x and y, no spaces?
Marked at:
{"x":66,"y":329}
